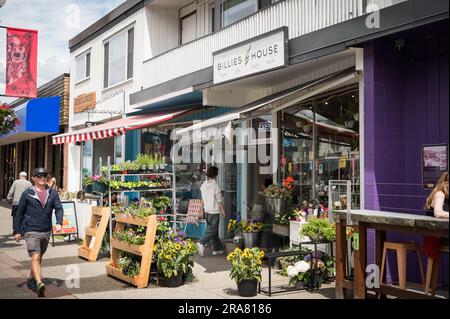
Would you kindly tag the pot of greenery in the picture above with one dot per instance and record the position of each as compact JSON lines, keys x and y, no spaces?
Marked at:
{"x":128,"y":266}
{"x":246,"y":266}
{"x":277,"y":199}
{"x":319,"y":229}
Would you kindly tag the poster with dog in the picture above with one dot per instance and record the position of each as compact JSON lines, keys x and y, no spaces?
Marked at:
{"x":21,"y":62}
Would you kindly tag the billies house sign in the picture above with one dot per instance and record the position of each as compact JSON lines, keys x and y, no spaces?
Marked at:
{"x":265,"y":52}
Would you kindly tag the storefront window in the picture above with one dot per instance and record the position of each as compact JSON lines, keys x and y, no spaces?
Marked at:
{"x":329,"y":150}
{"x":235,"y":10}
{"x":118,"y":150}
{"x":87,"y":159}
{"x":40,"y":152}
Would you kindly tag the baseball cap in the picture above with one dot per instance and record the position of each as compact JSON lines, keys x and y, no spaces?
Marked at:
{"x":24,"y":174}
{"x":39,"y":171}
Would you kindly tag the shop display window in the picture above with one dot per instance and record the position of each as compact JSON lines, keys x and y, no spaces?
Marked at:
{"x":313,"y":153}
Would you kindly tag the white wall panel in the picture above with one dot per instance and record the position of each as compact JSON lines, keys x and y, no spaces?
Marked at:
{"x":300,"y":16}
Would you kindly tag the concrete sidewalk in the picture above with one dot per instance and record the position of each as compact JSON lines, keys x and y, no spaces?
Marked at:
{"x":211,"y":279}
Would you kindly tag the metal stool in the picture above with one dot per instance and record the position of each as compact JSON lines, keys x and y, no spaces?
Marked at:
{"x":402,"y":249}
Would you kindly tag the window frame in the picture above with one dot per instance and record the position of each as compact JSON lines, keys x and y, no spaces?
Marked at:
{"x":87,"y":66}
{"x":106,"y":60}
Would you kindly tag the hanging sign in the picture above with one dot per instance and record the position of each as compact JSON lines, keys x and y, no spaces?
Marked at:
{"x":21,"y":62}
{"x":263,"y":53}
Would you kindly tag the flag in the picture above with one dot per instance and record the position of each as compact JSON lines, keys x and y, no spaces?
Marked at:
{"x":21,"y":62}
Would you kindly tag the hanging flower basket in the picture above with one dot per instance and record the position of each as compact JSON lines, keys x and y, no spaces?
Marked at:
{"x":8,"y":119}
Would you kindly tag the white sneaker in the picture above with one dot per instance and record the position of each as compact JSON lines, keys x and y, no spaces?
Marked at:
{"x":201,"y":249}
{"x":219,"y":252}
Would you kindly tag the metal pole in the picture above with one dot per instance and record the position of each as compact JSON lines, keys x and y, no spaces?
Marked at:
{"x":313,"y":172}
{"x":174,"y":189}
{"x":109,"y":202}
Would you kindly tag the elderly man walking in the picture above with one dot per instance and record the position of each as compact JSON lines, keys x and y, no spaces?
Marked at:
{"x":16,"y":190}
{"x":33,"y":220}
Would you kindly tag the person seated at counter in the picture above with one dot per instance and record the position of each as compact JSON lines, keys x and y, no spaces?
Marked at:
{"x":113,"y":199}
{"x":437,"y":206}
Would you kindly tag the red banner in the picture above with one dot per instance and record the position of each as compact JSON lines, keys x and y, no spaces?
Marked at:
{"x":21,"y":62}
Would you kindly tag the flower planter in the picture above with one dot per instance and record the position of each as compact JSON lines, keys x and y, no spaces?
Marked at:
{"x":300,"y":284}
{"x":174,"y":281}
{"x":276,"y":206}
{"x":250,"y":239}
{"x":247,"y":287}
{"x":87,"y":189}
{"x":188,"y":277}
{"x":99,"y":187}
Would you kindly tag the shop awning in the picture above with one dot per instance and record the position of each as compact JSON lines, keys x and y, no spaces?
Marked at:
{"x":310,"y":89}
{"x":113,"y":128}
{"x":38,"y":117}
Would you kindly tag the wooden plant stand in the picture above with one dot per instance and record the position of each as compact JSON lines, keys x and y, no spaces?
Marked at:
{"x":145,"y":251}
{"x":100,"y":216}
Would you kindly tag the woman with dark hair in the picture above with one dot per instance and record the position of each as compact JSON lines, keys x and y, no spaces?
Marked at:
{"x":213,"y":208}
{"x":51,"y":181}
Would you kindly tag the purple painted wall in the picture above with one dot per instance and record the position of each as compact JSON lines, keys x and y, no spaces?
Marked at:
{"x":406,"y":106}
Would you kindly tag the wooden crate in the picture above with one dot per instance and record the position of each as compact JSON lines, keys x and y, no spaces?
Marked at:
{"x":145,"y":251}
{"x":94,"y":233}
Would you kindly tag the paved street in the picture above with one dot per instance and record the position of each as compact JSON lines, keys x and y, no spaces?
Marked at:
{"x":211,"y":275}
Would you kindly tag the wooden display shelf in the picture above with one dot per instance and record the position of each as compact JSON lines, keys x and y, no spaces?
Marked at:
{"x":100,"y":216}
{"x":117,"y":273}
{"x":90,"y":231}
{"x":133,"y":220}
{"x":145,"y":251}
{"x":133,"y":249}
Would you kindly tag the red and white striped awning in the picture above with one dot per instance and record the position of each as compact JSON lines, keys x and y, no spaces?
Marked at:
{"x":113,"y":128}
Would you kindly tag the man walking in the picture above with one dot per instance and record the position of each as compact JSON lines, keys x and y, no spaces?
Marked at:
{"x":34,"y":221}
{"x":213,"y":208}
{"x":16,"y":190}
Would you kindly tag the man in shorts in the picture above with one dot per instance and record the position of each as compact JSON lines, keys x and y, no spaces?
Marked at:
{"x":34,"y":222}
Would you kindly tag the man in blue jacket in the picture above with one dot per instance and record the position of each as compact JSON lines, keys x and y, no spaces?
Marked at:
{"x":34,"y":222}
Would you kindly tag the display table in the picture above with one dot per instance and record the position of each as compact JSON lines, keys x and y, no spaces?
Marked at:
{"x":271,"y":256}
{"x":381,"y":222}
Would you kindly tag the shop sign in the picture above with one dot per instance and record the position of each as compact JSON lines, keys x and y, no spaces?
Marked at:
{"x":434,"y":163}
{"x":90,"y":124}
{"x":70,"y":225}
{"x":84,"y":102}
{"x":264,"y":127}
{"x":263,"y":53}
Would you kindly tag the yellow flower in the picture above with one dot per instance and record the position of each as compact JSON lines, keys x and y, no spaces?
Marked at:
{"x":177,"y":246}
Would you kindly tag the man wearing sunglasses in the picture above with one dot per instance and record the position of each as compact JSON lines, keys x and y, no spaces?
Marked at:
{"x":34,"y":222}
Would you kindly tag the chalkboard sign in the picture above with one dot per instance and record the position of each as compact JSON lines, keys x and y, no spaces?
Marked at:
{"x":70,"y":223}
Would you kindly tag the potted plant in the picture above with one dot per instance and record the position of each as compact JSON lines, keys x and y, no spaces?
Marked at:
{"x":299,"y":274}
{"x":8,"y":119}
{"x":128,"y":266}
{"x":246,"y":266}
{"x":277,"y":198}
{"x":141,"y":159}
{"x":87,"y":184}
{"x":161,"y":203}
{"x":319,"y":229}
{"x":250,"y":231}
{"x":173,"y":256}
